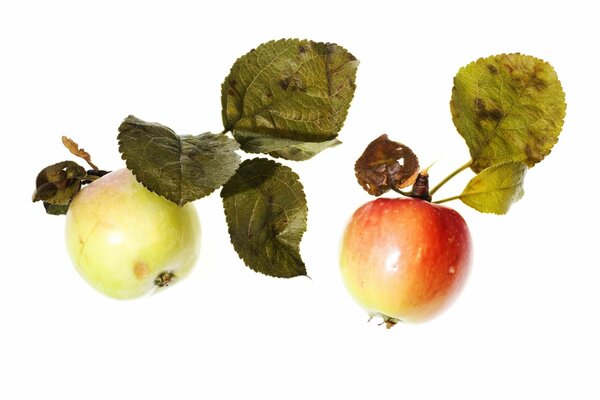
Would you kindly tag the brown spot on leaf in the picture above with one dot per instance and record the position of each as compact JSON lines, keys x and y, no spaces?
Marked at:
{"x":292,"y":83}
{"x":482,"y":112}
{"x":284,"y":83}
{"x":302,"y":49}
{"x":537,"y":83}
{"x":493,"y":70}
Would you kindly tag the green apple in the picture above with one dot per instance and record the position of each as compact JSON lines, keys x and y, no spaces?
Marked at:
{"x":126,"y":241}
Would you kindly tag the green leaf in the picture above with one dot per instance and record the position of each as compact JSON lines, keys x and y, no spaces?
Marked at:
{"x":290,"y":89}
{"x":496,"y":188}
{"x":58,"y":183}
{"x":289,"y":149}
{"x":179,"y":168}
{"x":379,"y":169}
{"x":266,"y":212}
{"x":55,"y":210}
{"x":508,"y":107}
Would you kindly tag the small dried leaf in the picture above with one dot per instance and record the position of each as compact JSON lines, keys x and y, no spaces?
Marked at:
{"x":386,"y":164}
{"x":57,"y":184}
{"x":76,"y":151}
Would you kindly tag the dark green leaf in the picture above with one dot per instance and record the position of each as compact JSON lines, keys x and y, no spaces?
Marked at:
{"x":496,"y":188}
{"x":57,"y":184}
{"x":283,"y":148}
{"x":386,"y":164}
{"x":179,"y":168}
{"x":266,"y":212}
{"x":55,"y":210}
{"x":290,"y":89}
{"x":508,"y":107}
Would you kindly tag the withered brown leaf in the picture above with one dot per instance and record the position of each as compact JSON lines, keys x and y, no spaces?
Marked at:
{"x":58,"y":183}
{"x":386,"y":165}
{"x":76,"y":151}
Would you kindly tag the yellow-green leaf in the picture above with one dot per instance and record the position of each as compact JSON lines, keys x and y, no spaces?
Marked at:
{"x":496,"y":188}
{"x":508,"y":107}
{"x":290,"y":89}
{"x":266,"y":212}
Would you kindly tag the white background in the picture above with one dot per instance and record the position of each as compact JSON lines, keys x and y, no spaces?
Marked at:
{"x":526,"y":325}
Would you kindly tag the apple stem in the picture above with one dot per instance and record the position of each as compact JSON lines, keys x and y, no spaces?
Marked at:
{"x":420,"y":188}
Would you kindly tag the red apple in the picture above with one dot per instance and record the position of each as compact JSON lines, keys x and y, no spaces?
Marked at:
{"x":405,"y":259}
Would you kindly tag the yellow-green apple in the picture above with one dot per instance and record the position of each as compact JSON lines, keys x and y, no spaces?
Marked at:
{"x":127,"y":241}
{"x":405,"y":259}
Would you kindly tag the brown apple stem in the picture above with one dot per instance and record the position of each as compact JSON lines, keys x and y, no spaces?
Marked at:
{"x":420,"y":188}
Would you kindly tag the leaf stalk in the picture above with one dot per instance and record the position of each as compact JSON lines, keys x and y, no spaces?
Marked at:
{"x":447,"y":199}
{"x":452,"y":175}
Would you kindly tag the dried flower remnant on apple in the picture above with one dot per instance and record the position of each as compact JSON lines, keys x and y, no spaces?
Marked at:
{"x":509,"y":109}
{"x":287,"y":99}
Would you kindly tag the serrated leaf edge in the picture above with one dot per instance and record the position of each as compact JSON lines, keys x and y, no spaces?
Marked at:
{"x":561,"y":122}
{"x":306,"y":208}
{"x":231,"y":128}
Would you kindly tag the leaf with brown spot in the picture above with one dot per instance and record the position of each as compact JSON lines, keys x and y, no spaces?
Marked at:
{"x":76,"y":151}
{"x":508,"y":107}
{"x":385,"y":165}
{"x":289,"y":90}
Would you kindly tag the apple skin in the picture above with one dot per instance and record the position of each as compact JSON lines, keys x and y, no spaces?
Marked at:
{"x":121,"y":237}
{"x":405,"y":259}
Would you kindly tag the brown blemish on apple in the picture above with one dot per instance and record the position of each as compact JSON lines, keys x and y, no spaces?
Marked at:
{"x":141,"y":270}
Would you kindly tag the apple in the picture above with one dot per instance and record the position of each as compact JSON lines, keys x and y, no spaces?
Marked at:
{"x":405,"y":259}
{"x":126,"y":241}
